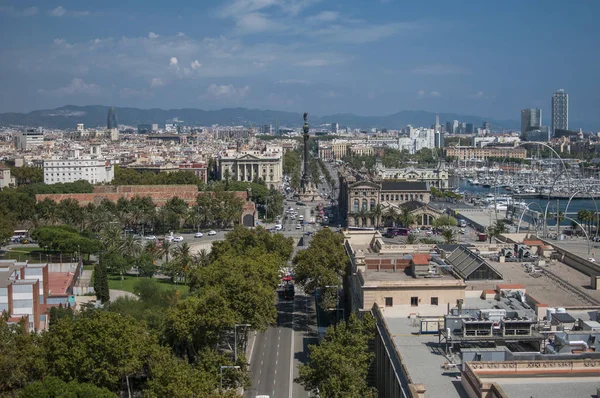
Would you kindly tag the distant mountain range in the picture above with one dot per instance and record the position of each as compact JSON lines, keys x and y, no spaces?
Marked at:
{"x":67,"y":117}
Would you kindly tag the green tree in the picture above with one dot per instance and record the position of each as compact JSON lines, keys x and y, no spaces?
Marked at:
{"x":21,"y":357}
{"x":411,"y":239}
{"x":53,"y":387}
{"x":338,"y":366}
{"x":448,"y":235}
{"x":98,"y":347}
{"x":323,"y":263}
{"x":145,"y":264}
{"x":406,"y":218}
{"x":101,"y":282}
{"x":445,"y":221}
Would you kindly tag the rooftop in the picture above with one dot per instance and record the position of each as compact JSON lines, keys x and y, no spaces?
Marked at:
{"x":423,"y":357}
{"x":58,"y":283}
{"x":400,"y":278}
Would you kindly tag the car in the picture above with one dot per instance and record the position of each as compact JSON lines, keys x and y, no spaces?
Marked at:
{"x":593,"y":260}
{"x":150,"y":237}
{"x":198,"y":235}
{"x":278,"y":227}
{"x":298,"y":226}
{"x":212,"y":233}
{"x":178,"y":239}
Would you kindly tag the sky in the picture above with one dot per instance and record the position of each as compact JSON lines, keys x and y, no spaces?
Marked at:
{"x":369,"y":57}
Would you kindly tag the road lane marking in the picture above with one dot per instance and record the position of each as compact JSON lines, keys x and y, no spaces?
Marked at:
{"x":252,"y":347}
{"x":292,"y":356}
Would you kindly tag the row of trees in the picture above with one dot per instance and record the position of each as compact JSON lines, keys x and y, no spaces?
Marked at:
{"x":160,"y":344}
{"x":133,"y":177}
{"x":393,"y":158}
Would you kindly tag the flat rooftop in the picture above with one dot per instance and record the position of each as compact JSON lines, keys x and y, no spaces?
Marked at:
{"x":543,"y":288}
{"x":424,"y":359}
{"x":544,"y":387}
{"x":58,"y":283}
{"x":402,"y":277}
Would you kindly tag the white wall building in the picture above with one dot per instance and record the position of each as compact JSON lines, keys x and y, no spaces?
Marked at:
{"x":94,"y":169}
{"x":249,"y":165}
{"x":28,"y":139}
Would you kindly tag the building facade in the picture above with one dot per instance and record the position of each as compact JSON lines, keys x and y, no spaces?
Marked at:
{"x":473,"y":153}
{"x":531,"y":119}
{"x":560,"y":111}
{"x":252,"y":165}
{"x":28,"y":139}
{"x":93,"y":169}
{"x":6,"y":180}
{"x":361,"y":200}
{"x":437,"y":177}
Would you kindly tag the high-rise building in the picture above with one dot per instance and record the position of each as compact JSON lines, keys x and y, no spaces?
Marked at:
{"x":335,"y":128}
{"x":470,"y":128}
{"x":531,"y":119}
{"x":437,"y":122}
{"x":455,"y":129}
{"x":111,"y":119}
{"x":560,"y":111}
{"x":487,"y":126}
{"x":449,"y":127}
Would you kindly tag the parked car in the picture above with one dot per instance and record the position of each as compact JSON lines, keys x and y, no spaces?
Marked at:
{"x":178,"y":239}
{"x":198,"y":235}
{"x":212,"y":233}
{"x":150,"y":237}
{"x":298,"y":226}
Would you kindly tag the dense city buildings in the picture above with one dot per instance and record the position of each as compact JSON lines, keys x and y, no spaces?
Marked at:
{"x":28,"y":139}
{"x":560,"y":111}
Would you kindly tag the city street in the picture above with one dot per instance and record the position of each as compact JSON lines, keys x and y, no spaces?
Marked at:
{"x":276,"y":353}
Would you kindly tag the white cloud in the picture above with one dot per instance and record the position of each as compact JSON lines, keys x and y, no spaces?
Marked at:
{"x":156,"y":82}
{"x":61,"y":43}
{"x":227,"y":91}
{"x":439,"y":70}
{"x":76,"y":86}
{"x":180,"y":34}
{"x":254,"y":22}
{"x":478,"y":94}
{"x":173,"y":61}
{"x":325,"y":16}
{"x":152,"y":35}
{"x":58,"y":11}
{"x":432,"y":94}
{"x":195,"y":64}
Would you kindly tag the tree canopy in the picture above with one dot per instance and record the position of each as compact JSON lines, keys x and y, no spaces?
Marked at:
{"x":323,"y":263}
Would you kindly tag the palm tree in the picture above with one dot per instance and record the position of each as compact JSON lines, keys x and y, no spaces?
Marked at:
{"x":391,"y":214}
{"x":202,"y":258}
{"x":130,"y":247}
{"x":153,"y":249}
{"x":376,"y":212}
{"x":362,"y":215}
{"x":406,"y":219}
{"x":110,"y":237}
{"x":411,"y":239}
{"x":448,"y":235}
{"x":165,"y":249}
{"x":183,"y":259}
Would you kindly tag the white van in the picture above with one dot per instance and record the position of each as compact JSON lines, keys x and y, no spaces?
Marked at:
{"x":278,"y":227}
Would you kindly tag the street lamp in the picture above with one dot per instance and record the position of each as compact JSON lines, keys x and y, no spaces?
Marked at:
{"x":221,"y":374}
{"x":235,"y":338}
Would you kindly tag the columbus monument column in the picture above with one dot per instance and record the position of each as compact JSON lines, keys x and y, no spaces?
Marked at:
{"x":304,"y":182}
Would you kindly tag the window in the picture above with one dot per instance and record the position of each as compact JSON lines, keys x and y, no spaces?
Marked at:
{"x":396,"y":196}
{"x":387,"y":197}
{"x":364,"y":193}
{"x":414,"y":301}
{"x":356,"y":205}
{"x":434,"y":301}
{"x":372,"y":206}
{"x":382,"y":197}
{"x":389,"y":301}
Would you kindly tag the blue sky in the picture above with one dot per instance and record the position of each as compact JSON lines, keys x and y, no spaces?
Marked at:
{"x":370,"y":57}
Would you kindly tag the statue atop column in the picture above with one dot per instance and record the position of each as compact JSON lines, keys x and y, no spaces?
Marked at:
{"x":304,"y":182}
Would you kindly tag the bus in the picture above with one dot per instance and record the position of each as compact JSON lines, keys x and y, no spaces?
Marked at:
{"x":393,"y":232}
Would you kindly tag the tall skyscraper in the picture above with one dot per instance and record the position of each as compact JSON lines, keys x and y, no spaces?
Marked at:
{"x":449,"y":128}
{"x":531,"y":119}
{"x":437,"y":122}
{"x":111,"y":119}
{"x":455,"y":129}
{"x":487,"y":126}
{"x":560,"y":111}
{"x":470,"y":128}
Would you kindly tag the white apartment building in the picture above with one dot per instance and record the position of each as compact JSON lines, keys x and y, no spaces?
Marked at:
{"x":26,"y":140}
{"x":94,"y":169}
{"x":6,"y":180}
{"x":249,"y":165}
